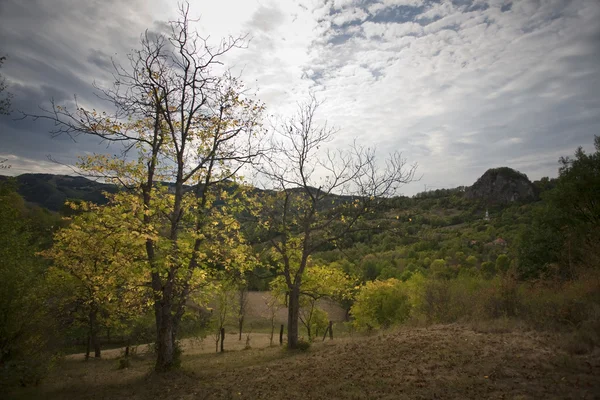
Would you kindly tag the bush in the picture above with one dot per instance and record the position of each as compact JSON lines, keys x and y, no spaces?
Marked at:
{"x":552,"y":305}
{"x":303,"y":345}
{"x":124,"y":363}
{"x":381,"y":304}
{"x":488,"y":269}
{"x":319,"y":322}
{"x":562,"y":305}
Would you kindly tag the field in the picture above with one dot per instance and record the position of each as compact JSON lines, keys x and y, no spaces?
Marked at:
{"x":443,"y":361}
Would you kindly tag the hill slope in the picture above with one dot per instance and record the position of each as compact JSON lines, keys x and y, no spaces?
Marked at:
{"x":51,"y":191}
{"x":450,"y":362}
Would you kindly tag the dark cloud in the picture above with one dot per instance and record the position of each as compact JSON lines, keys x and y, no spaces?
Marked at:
{"x":100,"y":59}
{"x":56,"y":51}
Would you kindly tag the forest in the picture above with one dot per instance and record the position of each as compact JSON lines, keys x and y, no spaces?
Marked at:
{"x":167,"y":241}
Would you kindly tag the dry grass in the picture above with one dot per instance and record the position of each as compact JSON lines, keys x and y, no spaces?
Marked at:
{"x":448,"y":361}
{"x":258,"y":310}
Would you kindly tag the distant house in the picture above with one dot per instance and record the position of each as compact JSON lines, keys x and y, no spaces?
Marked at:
{"x":499,"y":242}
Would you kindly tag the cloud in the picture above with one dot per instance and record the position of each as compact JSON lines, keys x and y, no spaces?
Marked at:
{"x":458,"y":86}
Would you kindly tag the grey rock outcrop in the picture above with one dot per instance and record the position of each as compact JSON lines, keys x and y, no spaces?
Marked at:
{"x":502,"y":186}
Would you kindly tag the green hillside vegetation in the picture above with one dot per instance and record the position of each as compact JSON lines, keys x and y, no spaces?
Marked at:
{"x":434,"y":258}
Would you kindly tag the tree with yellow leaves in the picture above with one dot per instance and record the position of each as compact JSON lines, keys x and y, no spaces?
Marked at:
{"x":187,"y":130}
{"x":319,"y":283}
{"x":99,"y":266}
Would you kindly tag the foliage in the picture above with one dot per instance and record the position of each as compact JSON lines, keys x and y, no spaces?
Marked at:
{"x":381,"y":304}
{"x":319,"y":282}
{"x":98,"y":263}
{"x":564,"y":233}
{"x":224,"y":299}
{"x":26,"y":328}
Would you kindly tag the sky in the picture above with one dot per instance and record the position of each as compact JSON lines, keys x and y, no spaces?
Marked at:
{"x":457,"y":86}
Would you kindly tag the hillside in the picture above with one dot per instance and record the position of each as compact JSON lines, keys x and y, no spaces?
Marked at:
{"x":51,"y":191}
{"x":405,"y":236}
{"x":450,"y":362}
{"x":499,"y":185}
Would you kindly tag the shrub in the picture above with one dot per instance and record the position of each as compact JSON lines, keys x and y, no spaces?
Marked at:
{"x":381,"y":304}
{"x":303,"y":345}
{"x":124,"y":363}
{"x":502,"y":263}
{"x":488,"y":269}
{"x":319,"y":322}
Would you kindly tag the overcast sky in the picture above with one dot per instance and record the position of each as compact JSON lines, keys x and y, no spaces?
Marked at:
{"x":458,"y":86}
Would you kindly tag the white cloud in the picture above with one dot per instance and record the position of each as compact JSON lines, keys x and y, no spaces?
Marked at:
{"x":349,"y":15}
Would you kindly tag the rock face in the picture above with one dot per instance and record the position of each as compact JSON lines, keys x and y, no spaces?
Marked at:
{"x":502,"y":186}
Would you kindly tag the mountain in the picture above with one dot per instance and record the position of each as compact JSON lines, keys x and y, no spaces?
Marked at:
{"x":496,"y":186}
{"x":502,"y":186}
{"x":51,"y":191}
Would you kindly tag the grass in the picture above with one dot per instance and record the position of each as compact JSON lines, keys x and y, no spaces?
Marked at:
{"x":442,"y":361}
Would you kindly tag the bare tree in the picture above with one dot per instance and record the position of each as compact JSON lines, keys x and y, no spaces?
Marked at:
{"x":5,"y":96}
{"x":318,"y":199}
{"x":273,"y":306}
{"x":242,"y":306}
{"x":225,"y":303}
{"x":179,"y":122}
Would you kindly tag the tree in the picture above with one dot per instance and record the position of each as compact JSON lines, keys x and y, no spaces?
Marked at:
{"x":564,"y":232}
{"x":273,"y":304}
{"x":242,"y":306}
{"x":224,"y":299}
{"x":502,"y":263}
{"x":26,"y":326}
{"x":5,"y":96}
{"x":309,"y":212}
{"x":101,"y":264}
{"x":319,"y":282}
{"x":186,"y":130}
{"x":578,"y":185}
{"x":575,"y":197}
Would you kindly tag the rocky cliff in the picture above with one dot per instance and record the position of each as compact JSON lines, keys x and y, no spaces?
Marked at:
{"x":501,"y":186}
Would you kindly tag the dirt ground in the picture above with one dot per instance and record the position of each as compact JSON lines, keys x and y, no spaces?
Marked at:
{"x":440,"y":362}
{"x":195,"y":346}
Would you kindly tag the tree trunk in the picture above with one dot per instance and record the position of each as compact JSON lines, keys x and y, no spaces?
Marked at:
{"x":165,"y":345}
{"x":241,"y":322}
{"x":293,"y":313}
{"x":222,"y":339}
{"x":281,"y":335}
{"x":88,"y":346}
{"x":94,"y":333}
